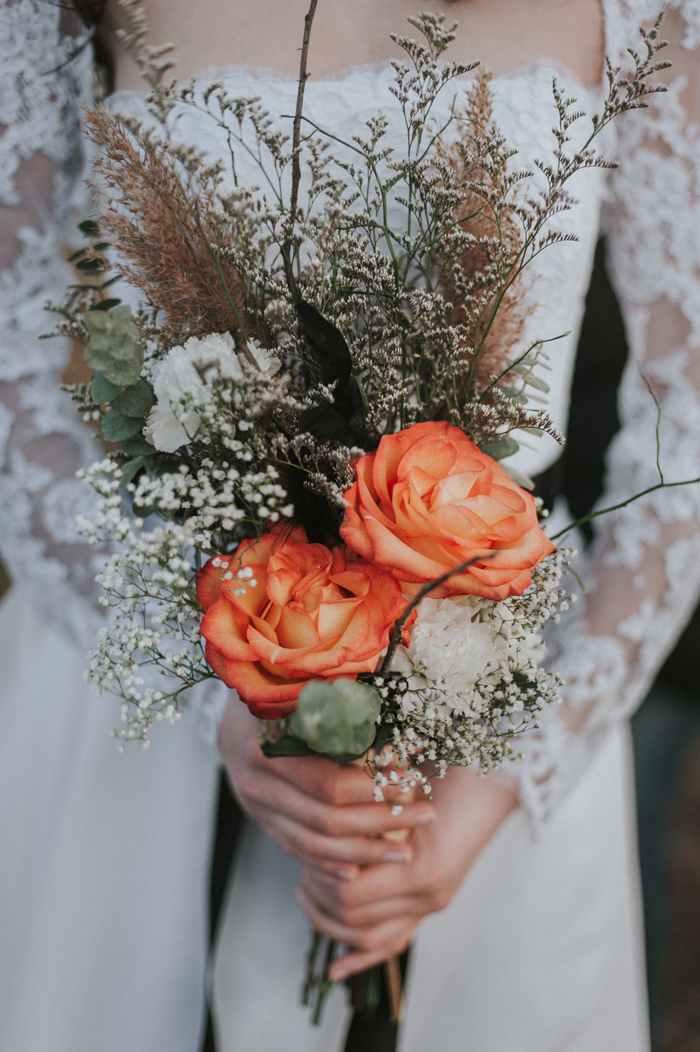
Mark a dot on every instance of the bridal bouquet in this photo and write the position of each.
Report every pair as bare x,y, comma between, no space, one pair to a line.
311,413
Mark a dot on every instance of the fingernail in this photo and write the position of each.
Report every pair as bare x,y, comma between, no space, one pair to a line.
397,856
426,816
345,874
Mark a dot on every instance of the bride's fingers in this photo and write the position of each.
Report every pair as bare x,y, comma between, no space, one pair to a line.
359,960
375,943
369,819
309,845
346,900
326,780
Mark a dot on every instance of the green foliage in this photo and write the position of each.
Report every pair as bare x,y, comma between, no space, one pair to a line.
103,390
500,448
135,400
116,427
337,718
113,347
287,745
137,446
132,467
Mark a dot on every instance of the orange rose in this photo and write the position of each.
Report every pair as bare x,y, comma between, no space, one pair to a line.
305,612
428,499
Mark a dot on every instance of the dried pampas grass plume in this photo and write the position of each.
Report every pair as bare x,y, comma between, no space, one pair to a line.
174,248
476,283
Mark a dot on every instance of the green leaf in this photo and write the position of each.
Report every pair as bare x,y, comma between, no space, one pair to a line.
124,373
77,255
101,390
114,348
106,304
121,373
536,381
337,718
287,746
515,396
132,468
90,228
499,448
330,362
137,446
92,266
116,427
135,400
98,360
521,480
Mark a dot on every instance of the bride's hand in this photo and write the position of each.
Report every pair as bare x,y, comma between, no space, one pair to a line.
377,912
317,810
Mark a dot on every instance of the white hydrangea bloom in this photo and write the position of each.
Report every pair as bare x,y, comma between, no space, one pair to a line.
182,375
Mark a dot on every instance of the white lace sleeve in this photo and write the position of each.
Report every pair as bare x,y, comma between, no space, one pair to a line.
643,575
45,77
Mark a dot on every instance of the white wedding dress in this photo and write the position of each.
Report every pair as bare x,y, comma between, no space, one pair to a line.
104,857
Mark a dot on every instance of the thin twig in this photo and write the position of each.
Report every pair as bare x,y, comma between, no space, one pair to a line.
623,504
658,424
296,139
400,622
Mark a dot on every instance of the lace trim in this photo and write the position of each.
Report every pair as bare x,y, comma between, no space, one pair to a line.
42,442
644,575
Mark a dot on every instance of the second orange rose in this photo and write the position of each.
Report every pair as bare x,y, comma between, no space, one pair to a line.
429,499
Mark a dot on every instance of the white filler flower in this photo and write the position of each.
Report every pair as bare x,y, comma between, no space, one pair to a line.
182,375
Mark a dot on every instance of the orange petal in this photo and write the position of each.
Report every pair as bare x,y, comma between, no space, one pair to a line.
209,580
217,662
221,629
264,694
296,630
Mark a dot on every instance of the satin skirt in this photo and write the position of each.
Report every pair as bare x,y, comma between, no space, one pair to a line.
540,950
104,861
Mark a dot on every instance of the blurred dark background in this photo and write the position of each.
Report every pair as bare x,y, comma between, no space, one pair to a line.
666,729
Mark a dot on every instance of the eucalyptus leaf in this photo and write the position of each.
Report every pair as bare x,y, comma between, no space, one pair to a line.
102,390
135,400
132,467
123,373
137,446
337,718
116,427
499,448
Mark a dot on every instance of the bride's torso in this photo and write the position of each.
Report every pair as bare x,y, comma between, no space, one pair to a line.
342,102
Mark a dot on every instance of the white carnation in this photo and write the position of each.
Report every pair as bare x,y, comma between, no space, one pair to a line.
457,647
183,375
266,363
